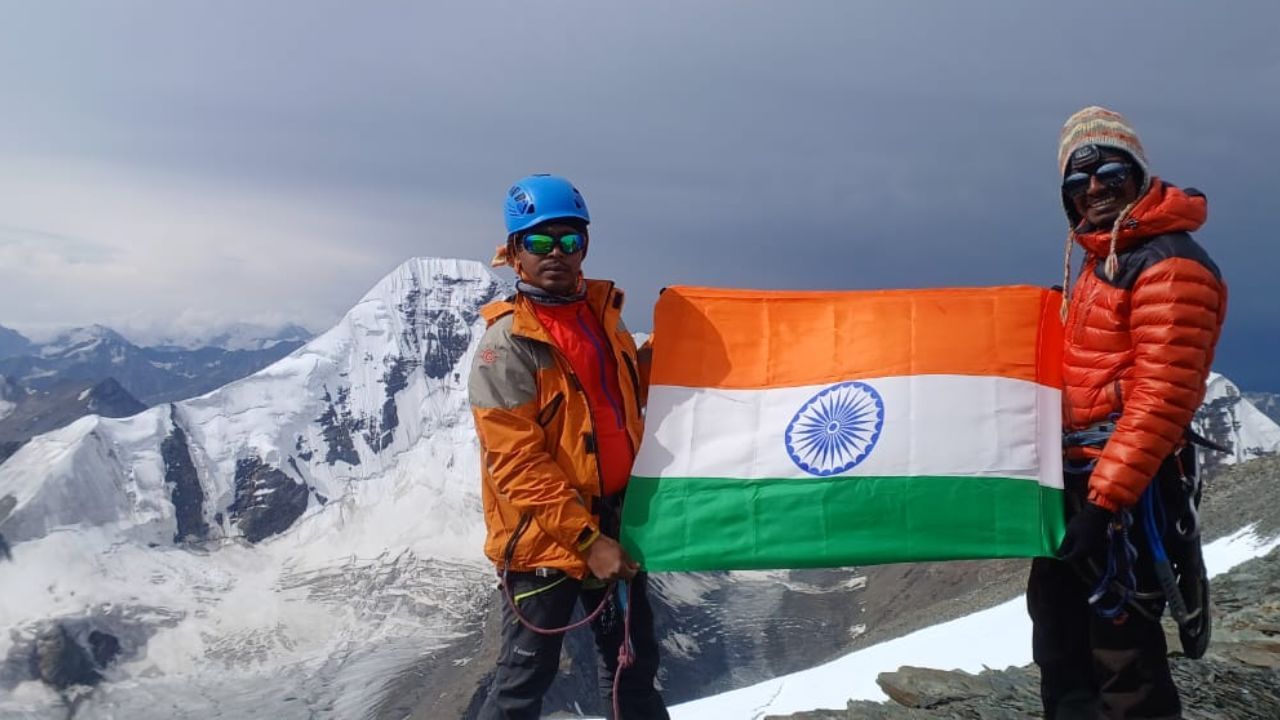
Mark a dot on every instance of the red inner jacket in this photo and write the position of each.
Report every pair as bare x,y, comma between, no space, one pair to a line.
579,336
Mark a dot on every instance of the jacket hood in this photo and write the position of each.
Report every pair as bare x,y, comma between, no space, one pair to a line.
1163,209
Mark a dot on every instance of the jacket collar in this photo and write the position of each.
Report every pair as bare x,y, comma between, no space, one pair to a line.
602,297
1163,209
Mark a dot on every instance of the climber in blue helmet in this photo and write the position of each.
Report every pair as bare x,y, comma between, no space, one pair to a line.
557,390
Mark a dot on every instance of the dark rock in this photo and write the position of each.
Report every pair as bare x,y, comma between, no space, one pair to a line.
104,646
337,426
267,501
9,447
304,452
5,553
61,662
184,484
13,343
446,342
381,435
916,687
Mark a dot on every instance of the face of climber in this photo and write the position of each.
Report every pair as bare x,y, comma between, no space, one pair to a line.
550,256
1101,182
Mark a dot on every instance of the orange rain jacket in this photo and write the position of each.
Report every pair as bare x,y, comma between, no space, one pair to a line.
540,472
1141,344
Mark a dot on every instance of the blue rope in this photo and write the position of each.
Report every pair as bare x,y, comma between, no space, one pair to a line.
1119,578
1155,528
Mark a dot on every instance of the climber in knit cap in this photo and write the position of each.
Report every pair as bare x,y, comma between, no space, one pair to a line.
1141,322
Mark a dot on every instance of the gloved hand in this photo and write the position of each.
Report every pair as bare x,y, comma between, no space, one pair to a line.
1086,534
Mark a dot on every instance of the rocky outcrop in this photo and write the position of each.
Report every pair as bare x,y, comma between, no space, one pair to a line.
1239,678
78,650
337,426
7,503
61,662
267,501
184,484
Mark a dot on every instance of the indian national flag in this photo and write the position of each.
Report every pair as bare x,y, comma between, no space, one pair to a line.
823,429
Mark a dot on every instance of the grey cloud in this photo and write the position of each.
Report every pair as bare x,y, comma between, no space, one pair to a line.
818,144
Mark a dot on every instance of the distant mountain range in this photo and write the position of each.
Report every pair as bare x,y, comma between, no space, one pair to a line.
236,336
153,375
96,370
25,413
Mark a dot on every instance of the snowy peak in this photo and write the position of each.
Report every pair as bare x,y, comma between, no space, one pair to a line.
1229,419
252,457
429,305
83,341
419,321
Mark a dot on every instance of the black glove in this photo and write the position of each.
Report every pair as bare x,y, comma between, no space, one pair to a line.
1086,534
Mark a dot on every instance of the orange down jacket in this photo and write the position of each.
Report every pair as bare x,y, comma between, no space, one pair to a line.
1141,344
540,471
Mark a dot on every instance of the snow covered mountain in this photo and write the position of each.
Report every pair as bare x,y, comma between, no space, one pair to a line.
1231,420
166,530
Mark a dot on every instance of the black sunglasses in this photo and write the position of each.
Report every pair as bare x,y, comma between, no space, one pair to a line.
1112,174
543,243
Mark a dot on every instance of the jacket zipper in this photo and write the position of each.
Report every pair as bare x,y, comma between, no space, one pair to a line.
577,384
548,413
635,379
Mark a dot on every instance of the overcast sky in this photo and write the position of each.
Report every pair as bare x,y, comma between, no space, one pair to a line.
171,166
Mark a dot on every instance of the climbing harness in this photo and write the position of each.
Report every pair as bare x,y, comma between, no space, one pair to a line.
626,652
1115,591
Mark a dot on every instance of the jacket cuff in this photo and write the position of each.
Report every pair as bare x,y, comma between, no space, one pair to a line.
585,538
1097,498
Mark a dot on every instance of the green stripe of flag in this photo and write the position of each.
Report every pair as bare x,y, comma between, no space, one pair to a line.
734,524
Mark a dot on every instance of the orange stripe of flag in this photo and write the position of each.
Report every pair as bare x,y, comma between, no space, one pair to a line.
725,338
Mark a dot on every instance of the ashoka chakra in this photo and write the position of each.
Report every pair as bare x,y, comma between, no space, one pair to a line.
836,429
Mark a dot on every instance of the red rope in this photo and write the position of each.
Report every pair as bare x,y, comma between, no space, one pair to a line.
509,594
626,654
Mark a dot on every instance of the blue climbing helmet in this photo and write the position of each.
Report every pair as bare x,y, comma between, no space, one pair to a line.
539,198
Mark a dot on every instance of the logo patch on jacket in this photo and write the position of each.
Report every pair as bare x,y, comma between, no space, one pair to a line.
488,356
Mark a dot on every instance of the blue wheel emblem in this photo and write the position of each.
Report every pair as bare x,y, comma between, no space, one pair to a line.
835,429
